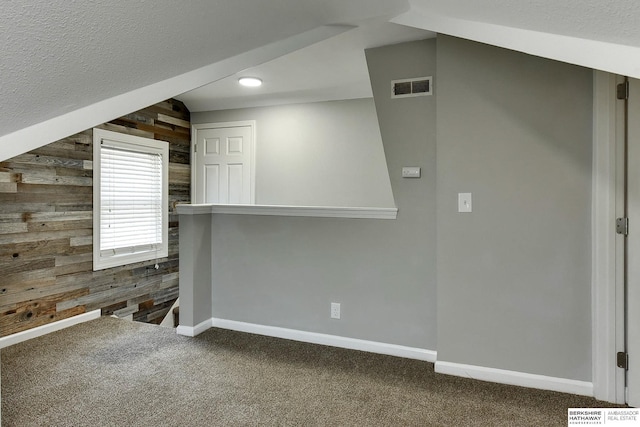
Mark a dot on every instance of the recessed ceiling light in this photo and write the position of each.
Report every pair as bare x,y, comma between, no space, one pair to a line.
250,81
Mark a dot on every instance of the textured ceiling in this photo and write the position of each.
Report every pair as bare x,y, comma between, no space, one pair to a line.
335,68
602,35
613,21
82,56
330,70
60,55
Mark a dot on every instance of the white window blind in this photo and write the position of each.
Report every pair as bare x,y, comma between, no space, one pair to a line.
131,199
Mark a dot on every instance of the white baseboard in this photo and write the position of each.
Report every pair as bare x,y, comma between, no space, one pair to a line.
522,379
192,331
330,340
48,328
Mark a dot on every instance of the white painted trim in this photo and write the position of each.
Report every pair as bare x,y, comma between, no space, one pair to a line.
167,322
142,145
606,284
611,57
521,379
48,328
254,138
192,331
87,117
329,340
281,210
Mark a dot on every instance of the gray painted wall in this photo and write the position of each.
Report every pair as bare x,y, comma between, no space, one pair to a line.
195,258
318,154
514,275
283,271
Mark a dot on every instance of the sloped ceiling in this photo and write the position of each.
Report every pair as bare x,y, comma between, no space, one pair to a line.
613,21
331,70
602,35
71,64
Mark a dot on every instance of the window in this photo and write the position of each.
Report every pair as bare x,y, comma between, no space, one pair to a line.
130,199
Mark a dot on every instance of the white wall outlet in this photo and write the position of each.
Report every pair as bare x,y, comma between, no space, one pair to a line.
335,310
464,202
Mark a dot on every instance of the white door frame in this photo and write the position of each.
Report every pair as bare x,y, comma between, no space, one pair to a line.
194,136
607,278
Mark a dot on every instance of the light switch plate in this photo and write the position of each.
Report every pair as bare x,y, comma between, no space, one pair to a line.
411,172
464,202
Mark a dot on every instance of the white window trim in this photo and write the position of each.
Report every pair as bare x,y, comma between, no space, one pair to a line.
101,262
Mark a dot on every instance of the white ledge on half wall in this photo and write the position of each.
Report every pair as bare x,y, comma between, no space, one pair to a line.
283,210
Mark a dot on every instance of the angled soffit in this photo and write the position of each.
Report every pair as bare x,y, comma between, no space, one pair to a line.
334,69
591,33
68,65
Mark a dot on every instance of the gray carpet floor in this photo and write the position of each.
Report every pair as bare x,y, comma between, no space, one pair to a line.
111,372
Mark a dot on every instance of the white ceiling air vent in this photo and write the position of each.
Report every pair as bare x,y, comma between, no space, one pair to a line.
405,88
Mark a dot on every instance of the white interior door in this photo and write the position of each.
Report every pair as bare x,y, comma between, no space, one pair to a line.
223,164
633,255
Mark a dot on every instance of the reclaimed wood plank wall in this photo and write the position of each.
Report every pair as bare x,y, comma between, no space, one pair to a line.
46,229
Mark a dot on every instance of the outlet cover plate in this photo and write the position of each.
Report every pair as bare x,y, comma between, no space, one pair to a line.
335,310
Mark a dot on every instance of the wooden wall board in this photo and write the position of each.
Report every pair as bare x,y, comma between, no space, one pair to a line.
8,187
164,295
33,248
42,235
38,312
125,311
26,279
63,149
124,129
171,108
27,291
155,129
111,309
174,121
46,229
153,315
